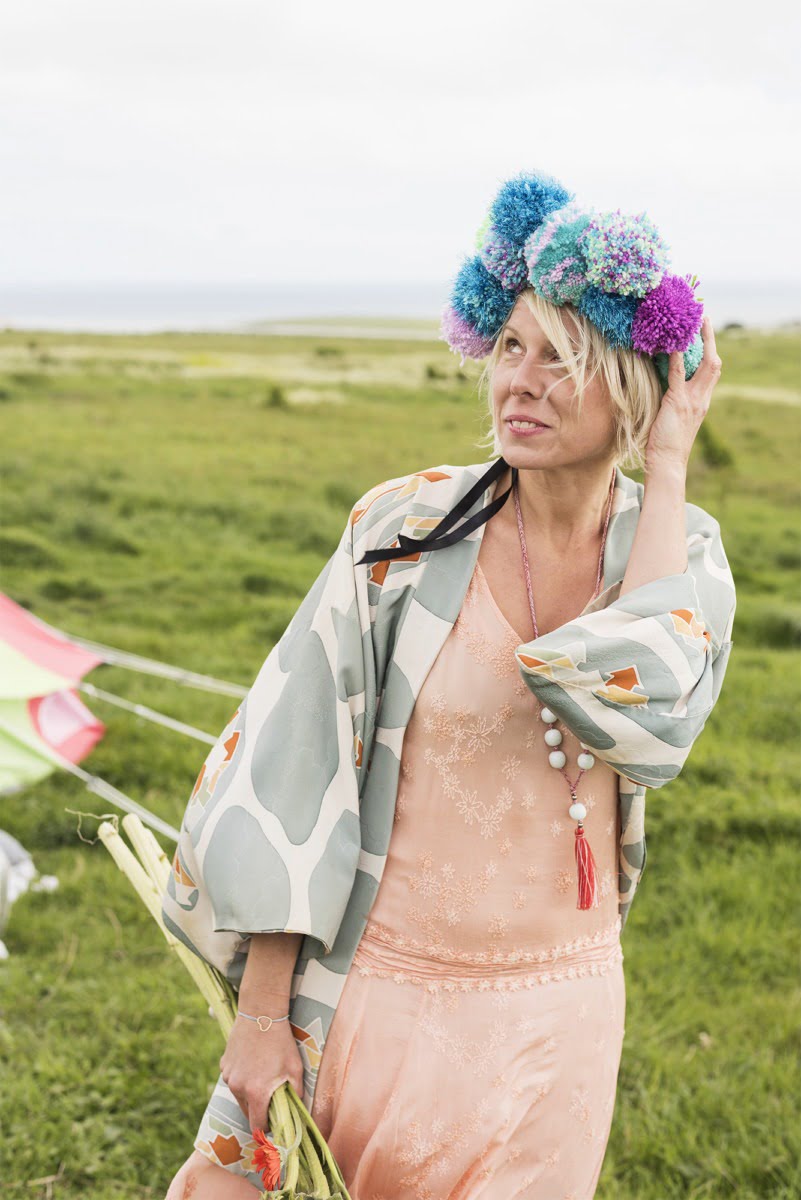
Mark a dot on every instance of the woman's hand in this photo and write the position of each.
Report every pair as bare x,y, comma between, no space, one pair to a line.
684,406
255,1064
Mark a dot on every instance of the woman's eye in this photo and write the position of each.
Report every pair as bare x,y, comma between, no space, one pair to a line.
512,343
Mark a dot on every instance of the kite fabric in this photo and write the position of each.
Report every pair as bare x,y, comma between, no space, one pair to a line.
289,822
42,719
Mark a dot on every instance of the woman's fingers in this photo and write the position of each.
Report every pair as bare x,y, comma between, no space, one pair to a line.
676,370
710,367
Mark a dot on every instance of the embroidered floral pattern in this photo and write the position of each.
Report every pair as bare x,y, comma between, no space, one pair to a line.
481,847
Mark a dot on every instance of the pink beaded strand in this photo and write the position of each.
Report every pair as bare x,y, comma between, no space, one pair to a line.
585,862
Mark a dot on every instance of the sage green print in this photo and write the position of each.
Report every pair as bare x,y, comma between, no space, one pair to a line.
288,825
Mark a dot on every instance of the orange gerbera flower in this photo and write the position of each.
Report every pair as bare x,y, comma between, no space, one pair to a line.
267,1160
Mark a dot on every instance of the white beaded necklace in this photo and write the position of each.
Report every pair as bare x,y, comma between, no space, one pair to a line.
585,862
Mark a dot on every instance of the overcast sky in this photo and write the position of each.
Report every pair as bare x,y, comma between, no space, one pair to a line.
247,140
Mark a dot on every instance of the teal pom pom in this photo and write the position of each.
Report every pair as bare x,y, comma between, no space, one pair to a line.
556,266
480,299
524,202
613,315
692,361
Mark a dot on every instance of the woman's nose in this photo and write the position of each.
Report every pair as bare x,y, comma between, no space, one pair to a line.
528,379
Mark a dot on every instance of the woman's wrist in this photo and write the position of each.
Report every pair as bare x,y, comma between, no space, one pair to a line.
272,1001
668,470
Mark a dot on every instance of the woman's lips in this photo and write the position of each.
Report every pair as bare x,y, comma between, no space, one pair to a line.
529,432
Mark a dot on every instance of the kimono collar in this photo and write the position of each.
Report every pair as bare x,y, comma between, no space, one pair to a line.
626,498
439,538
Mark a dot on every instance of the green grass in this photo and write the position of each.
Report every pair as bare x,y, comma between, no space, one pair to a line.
175,496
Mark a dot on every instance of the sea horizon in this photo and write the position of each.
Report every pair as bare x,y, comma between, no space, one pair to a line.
209,307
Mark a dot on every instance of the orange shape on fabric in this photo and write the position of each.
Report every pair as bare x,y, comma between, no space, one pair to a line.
181,875
227,1149
231,745
310,1044
686,623
378,570
620,686
198,782
564,662
409,487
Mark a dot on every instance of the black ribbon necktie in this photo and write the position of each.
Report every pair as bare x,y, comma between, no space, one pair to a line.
438,538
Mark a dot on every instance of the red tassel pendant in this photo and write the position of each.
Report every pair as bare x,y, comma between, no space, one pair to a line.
587,873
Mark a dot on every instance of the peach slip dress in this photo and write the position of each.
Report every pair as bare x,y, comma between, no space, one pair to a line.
475,1049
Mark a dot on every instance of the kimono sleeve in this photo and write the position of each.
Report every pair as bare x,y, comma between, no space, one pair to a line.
270,837
636,680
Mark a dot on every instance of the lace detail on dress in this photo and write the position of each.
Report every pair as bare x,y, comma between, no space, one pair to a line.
491,983
407,960
497,654
435,948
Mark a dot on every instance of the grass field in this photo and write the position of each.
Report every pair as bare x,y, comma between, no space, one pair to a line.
175,496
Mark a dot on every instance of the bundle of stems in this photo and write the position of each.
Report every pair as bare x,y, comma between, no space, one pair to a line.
308,1166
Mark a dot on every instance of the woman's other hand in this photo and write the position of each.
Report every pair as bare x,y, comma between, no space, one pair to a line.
255,1063
684,406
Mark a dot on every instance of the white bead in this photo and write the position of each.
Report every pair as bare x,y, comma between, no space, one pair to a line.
557,758
548,716
577,812
585,761
553,737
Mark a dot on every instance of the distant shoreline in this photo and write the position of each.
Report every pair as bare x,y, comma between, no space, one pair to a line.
403,310
355,329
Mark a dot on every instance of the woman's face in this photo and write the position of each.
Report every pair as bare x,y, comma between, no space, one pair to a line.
528,365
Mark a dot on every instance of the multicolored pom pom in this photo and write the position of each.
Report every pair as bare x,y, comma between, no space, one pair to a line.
556,266
614,315
504,260
668,318
625,254
524,202
612,267
480,299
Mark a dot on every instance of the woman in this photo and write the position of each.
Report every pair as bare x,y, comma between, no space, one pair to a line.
440,782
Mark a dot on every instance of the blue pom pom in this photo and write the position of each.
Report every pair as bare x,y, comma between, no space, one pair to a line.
692,361
480,299
614,315
524,202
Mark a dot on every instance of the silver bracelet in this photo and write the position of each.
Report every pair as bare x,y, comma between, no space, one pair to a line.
270,1020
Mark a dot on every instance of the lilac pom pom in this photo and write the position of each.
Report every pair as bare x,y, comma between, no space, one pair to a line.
625,254
668,319
504,260
462,337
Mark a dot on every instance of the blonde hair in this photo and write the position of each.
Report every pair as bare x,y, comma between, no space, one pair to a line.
631,382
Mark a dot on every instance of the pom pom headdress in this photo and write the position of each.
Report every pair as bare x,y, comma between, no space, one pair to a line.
611,266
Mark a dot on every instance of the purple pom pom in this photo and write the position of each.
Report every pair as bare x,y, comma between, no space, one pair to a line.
462,337
668,318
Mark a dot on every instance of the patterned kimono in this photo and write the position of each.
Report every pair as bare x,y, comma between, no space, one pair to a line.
289,822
